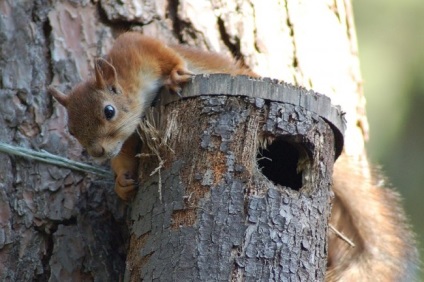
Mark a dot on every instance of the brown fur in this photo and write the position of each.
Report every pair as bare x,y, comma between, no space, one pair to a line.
137,66
371,216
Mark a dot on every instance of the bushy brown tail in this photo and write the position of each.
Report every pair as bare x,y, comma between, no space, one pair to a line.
373,219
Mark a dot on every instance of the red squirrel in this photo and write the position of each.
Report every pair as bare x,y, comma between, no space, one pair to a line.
104,113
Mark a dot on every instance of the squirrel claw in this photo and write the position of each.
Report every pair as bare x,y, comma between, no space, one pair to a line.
180,75
177,77
177,91
125,187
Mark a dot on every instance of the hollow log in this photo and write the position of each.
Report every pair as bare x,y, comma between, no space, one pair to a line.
235,184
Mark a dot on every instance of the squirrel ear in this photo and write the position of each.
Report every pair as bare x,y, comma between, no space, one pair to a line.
105,73
59,96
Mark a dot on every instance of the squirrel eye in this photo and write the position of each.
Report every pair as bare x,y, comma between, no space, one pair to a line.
109,112
113,89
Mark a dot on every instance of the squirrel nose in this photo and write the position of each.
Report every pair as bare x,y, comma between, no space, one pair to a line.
97,152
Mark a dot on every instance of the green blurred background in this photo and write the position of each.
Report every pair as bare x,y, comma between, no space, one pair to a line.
391,51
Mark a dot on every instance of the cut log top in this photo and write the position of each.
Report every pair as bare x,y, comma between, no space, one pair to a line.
266,89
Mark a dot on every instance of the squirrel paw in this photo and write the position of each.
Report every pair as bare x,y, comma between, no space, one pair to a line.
125,186
178,76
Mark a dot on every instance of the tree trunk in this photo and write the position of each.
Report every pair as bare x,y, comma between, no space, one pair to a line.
58,224
245,185
55,224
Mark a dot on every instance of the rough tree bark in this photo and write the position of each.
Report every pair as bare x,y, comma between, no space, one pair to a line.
217,202
57,224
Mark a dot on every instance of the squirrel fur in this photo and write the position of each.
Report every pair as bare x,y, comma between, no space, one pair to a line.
105,110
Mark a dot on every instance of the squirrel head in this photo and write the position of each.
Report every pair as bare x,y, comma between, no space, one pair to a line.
100,116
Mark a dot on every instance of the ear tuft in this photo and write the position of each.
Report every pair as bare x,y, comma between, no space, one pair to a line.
59,96
105,73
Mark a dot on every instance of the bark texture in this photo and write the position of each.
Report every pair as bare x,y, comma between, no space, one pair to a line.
245,187
55,223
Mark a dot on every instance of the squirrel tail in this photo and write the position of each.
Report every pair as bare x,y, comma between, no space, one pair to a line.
373,219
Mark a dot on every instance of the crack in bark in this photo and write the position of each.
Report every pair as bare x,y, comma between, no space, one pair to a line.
172,13
295,62
335,9
40,15
47,31
47,231
45,259
362,121
233,44
118,25
255,30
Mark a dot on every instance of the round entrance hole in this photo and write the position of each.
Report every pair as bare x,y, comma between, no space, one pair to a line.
279,162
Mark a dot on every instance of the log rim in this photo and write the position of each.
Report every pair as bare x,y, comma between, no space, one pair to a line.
277,91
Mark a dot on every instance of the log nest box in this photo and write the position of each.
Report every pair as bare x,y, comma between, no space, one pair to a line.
235,183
